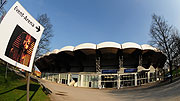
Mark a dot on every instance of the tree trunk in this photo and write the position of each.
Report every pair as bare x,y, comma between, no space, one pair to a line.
170,67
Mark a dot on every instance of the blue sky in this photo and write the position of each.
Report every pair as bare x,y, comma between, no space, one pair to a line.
80,21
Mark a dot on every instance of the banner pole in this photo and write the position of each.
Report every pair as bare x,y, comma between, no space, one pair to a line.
28,82
6,71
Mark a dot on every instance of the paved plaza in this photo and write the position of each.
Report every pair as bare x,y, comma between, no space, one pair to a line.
60,92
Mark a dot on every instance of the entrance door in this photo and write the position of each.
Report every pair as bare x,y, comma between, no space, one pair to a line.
127,80
109,81
110,84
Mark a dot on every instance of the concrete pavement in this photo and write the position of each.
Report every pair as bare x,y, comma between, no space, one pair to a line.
61,92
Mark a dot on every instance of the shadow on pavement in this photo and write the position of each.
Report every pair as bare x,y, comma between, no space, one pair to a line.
162,91
46,90
61,93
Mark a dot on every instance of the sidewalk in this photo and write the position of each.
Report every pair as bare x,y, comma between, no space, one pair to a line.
61,92
149,92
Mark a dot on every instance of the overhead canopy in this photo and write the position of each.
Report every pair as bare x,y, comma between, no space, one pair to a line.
67,49
86,48
108,45
83,57
147,47
47,54
55,51
130,45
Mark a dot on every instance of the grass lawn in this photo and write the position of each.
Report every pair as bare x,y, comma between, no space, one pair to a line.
14,88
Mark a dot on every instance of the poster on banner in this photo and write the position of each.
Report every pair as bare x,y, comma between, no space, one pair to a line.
20,36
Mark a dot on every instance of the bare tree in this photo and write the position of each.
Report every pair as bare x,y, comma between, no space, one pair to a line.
176,48
44,42
2,10
163,37
2,13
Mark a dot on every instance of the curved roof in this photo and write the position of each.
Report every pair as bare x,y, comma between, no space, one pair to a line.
147,47
85,46
67,48
130,45
55,51
47,54
108,45
85,58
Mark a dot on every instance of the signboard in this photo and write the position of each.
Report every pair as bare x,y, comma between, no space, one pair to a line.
75,75
20,35
130,70
109,71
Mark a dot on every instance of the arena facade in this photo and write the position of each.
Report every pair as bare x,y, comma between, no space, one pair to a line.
105,65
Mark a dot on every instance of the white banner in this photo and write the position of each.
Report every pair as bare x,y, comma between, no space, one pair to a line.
20,35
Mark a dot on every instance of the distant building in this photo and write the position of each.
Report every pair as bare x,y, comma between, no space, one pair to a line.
105,65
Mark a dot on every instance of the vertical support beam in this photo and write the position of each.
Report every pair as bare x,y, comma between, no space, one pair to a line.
148,77
42,74
28,82
118,82
135,79
81,80
156,74
52,77
68,79
59,80
48,76
99,81
6,71
98,64
140,60
45,75
122,61
119,62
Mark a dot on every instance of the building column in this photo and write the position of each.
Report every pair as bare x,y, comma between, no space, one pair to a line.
135,79
149,77
53,78
48,76
118,82
156,73
140,60
120,62
99,81
68,79
98,64
59,80
42,75
45,75
81,80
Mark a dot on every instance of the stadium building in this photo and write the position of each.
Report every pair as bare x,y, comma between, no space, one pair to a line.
105,65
